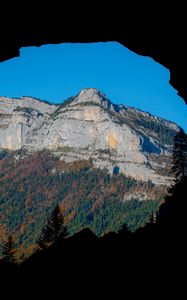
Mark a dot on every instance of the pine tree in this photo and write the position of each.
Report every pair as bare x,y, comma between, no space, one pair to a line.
179,167
54,229
9,251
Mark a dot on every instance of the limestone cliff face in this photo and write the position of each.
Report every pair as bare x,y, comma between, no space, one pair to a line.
90,126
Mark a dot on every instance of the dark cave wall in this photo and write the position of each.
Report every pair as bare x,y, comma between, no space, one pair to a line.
161,37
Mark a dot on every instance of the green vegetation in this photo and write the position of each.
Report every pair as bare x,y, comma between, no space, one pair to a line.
165,134
28,110
66,149
31,187
61,106
112,214
68,101
3,154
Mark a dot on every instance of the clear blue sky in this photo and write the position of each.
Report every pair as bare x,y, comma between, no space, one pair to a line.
56,72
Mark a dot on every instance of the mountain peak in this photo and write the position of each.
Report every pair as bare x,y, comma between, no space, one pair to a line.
90,95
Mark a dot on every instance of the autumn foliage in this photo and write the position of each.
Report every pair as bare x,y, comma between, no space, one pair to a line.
31,186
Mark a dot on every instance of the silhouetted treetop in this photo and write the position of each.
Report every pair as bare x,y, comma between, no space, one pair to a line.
9,251
179,167
54,229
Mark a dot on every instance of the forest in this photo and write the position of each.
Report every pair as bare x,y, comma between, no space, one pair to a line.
31,185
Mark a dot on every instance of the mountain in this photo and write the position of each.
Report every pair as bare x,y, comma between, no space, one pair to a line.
104,164
90,127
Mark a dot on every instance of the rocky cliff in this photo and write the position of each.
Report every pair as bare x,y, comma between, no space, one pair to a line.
89,126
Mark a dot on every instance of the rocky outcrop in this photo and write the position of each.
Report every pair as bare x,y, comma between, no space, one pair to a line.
90,127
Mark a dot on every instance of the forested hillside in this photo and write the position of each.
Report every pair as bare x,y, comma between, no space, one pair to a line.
31,186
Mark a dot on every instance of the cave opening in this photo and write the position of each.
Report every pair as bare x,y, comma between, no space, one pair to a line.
106,81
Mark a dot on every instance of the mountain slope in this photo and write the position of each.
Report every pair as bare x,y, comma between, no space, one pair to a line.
89,126
104,164
31,187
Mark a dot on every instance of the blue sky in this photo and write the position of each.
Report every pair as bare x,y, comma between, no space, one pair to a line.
56,72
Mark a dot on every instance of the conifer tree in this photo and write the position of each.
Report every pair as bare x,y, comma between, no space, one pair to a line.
9,251
179,167
54,229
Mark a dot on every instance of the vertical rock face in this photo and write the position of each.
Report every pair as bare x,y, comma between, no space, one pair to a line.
90,126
